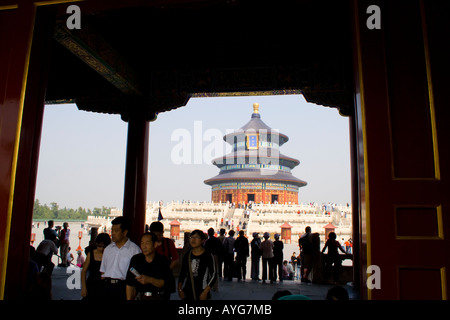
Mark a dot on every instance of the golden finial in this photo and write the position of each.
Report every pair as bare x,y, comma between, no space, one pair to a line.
256,107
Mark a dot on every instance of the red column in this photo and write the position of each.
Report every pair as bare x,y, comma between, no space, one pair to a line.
135,191
28,154
22,92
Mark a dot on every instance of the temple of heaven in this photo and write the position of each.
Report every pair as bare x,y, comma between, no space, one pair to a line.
255,170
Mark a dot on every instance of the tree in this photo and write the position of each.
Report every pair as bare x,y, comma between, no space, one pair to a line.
54,208
55,213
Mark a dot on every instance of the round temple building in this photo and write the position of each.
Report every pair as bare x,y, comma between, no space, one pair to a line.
255,170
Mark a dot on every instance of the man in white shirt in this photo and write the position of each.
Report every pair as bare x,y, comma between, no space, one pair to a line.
116,259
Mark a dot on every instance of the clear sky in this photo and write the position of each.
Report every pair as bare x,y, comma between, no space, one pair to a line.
82,155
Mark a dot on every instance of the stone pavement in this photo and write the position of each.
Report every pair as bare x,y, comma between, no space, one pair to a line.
64,287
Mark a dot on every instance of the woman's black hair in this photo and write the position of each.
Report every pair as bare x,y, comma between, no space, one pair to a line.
103,238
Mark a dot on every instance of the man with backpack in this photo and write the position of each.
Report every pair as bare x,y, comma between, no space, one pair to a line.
306,254
242,252
165,247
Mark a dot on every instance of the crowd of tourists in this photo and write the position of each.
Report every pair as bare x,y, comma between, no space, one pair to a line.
116,268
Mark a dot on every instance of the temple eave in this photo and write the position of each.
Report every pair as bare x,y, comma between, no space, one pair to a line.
230,137
217,180
265,155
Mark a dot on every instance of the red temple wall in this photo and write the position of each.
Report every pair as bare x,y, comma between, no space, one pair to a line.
240,195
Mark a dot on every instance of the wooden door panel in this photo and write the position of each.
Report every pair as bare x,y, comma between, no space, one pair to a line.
402,123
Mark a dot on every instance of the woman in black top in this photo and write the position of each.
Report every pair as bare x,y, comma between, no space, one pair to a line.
198,270
91,285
